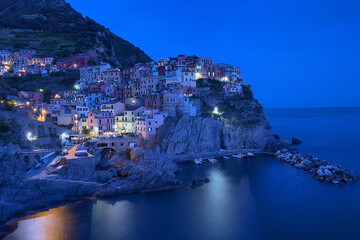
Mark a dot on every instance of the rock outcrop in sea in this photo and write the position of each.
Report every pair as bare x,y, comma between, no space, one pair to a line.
228,122
322,170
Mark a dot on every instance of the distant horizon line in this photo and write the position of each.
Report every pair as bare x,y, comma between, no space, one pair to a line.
309,107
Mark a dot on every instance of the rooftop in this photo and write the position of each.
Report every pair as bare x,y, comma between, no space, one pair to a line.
132,108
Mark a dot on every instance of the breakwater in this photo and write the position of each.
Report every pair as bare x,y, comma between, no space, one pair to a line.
320,169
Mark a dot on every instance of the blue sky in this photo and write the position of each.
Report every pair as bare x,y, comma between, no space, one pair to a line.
303,53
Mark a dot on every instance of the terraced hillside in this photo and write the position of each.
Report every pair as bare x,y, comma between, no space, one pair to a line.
54,28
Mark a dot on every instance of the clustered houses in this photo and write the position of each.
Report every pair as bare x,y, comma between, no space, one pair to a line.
135,100
23,62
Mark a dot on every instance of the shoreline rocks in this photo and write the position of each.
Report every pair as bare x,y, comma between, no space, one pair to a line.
149,171
320,169
199,182
296,141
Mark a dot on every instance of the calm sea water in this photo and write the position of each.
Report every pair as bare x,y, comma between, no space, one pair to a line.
259,198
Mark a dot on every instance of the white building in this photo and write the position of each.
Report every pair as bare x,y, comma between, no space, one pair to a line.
185,74
126,122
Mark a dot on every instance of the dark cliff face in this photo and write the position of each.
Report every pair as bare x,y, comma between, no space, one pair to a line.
54,28
241,123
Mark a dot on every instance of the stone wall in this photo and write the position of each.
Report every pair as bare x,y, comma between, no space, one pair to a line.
42,134
81,168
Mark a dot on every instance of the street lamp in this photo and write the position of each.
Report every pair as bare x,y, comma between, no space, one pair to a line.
216,111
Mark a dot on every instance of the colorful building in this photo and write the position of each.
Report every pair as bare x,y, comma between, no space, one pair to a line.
100,122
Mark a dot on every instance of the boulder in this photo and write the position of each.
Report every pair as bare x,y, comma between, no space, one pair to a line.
296,141
199,182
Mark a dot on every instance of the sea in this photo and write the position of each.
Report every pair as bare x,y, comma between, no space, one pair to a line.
254,198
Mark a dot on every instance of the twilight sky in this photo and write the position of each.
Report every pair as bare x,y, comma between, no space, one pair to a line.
303,53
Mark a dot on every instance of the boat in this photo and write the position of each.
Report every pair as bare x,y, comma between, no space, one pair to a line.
250,154
212,160
198,161
82,153
238,156
83,148
226,157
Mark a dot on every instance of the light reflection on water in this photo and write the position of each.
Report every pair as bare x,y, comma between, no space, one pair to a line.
46,225
258,198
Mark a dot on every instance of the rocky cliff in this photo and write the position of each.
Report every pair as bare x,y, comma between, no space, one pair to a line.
228,122
147,171
54,28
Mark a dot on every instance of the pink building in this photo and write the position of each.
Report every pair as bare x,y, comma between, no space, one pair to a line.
76,61
100,122
147,125
215,72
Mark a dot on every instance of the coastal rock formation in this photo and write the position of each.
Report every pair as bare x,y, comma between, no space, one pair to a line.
199,182
19,194
191,135
320,169
239,122
276,143
296,141
148,171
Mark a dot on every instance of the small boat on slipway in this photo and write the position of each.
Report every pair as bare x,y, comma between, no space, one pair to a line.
226,157
238,156
212,160
198,161
250,154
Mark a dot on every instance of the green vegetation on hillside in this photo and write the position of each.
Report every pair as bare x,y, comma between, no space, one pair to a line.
45,45
54,29
34,82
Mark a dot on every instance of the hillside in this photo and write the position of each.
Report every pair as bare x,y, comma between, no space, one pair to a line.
54,28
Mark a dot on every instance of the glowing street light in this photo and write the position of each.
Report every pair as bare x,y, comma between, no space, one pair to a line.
216,111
